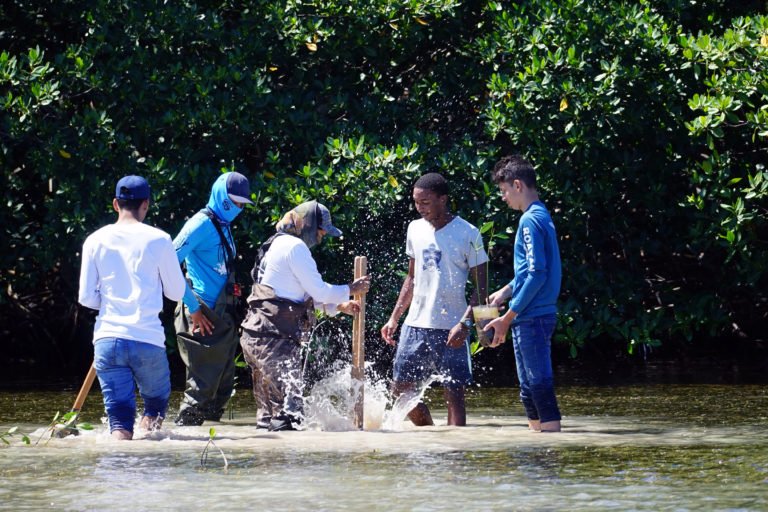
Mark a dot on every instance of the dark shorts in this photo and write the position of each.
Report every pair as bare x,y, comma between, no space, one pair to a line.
422,353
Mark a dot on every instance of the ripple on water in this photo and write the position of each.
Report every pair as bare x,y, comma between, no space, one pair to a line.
639,455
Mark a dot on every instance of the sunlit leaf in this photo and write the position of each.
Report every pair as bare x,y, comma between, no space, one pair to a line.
269,175
420,21
393,181
764,40
64,154
563,104
311,47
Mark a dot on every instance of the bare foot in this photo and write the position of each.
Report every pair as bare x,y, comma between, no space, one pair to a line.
551,426
122,435
534,425
151,423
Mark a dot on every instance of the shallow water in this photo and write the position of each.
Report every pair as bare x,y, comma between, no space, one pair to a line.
628,448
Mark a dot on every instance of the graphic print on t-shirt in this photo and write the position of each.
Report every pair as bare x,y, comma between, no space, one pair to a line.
432,256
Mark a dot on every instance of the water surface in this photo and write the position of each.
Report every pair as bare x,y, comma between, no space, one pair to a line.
665,447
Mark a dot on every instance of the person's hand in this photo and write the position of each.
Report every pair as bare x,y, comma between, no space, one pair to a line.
388,332
457,335
500,328
351,307
498,297
360,286
201,323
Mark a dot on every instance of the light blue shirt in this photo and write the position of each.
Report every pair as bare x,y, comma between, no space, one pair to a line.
199,246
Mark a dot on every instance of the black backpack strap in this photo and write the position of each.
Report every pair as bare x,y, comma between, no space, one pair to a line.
230,261
257,270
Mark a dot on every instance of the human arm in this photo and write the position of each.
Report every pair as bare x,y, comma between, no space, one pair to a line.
171,277
500,296
185,243
500,327
534,273
304,269
403,301
350,307
458,333
88,292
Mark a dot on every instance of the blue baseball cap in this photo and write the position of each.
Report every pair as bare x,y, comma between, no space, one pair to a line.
132,187
238,188
325,221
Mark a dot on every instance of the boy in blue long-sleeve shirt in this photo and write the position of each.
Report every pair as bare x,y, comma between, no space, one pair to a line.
533,293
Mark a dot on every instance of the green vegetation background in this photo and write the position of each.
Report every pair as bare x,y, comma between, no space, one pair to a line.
647,121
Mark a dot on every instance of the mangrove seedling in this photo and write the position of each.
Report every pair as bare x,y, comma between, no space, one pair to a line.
487,227
63,426
204,455
12,432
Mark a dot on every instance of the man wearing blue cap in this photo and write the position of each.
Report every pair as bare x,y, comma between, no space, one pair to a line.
206,323
126,269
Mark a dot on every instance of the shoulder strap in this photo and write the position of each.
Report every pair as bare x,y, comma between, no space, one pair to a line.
230,261
257,271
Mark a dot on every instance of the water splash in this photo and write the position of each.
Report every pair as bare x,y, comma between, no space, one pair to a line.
393,419
330,403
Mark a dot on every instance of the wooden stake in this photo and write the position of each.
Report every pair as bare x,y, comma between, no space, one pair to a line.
358,345
79,401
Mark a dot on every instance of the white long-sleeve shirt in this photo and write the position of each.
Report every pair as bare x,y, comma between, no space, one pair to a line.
292,273
126,269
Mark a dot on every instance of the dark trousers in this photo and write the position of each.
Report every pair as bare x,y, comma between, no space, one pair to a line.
210,362
276,370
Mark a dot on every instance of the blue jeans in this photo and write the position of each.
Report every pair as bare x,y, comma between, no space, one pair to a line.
119,362
532,342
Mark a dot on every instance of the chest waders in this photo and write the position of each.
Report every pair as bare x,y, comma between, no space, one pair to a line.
273,332
210,360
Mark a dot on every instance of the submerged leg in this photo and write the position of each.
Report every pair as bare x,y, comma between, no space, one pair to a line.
419,415
550,426
122,435
457,412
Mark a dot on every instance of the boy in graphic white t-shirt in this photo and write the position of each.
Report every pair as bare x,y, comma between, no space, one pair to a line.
443,249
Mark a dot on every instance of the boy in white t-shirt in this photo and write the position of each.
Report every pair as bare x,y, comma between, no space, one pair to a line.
443,249
127,267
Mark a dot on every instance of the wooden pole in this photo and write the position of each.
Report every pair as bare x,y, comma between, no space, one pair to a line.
84,389
79,401
358,345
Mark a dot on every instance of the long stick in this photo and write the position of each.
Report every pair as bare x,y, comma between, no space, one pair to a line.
358,345
84,389
79,401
